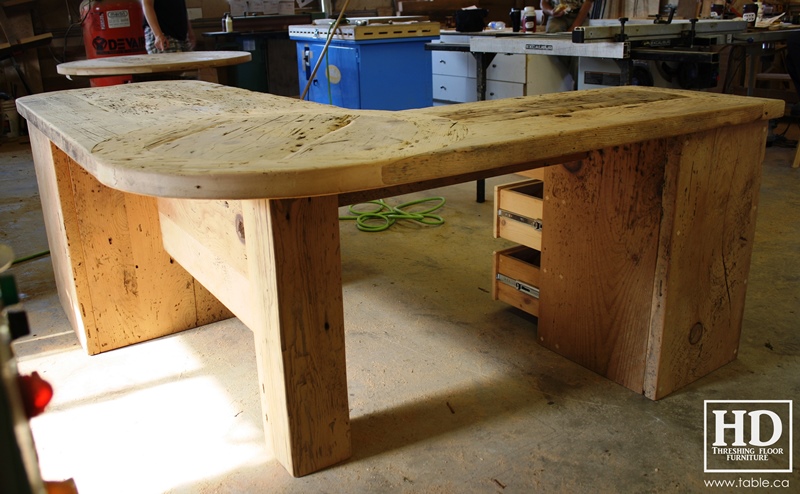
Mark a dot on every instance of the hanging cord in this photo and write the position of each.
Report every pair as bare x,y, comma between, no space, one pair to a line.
69,28
380,219
324,53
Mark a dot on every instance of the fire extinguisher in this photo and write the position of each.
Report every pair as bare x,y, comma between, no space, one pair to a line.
112,28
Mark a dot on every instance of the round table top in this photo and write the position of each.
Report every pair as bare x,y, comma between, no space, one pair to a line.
153,63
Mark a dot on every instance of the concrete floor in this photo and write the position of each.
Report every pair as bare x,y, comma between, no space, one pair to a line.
449,391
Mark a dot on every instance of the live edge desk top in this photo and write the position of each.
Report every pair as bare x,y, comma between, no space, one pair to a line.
650,220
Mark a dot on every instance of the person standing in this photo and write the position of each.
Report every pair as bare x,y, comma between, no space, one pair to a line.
166,26
793,66
565,15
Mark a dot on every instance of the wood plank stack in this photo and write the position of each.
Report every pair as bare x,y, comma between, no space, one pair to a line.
18,47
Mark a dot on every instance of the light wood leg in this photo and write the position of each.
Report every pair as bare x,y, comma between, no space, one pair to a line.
706,242
645,255
599,246
295,275
796,161
115,281
218,75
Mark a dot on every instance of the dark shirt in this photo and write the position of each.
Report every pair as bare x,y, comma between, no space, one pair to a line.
171,16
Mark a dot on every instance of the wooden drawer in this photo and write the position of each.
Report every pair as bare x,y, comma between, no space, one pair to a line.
518,215
517,277
453,63
455,89
537,173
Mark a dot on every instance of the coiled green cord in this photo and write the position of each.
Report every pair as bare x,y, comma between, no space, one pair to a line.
385,216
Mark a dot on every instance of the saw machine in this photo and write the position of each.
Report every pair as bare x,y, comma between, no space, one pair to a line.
663,53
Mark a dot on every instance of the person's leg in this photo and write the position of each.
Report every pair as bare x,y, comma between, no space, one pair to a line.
186,45
149,40
173,45
793,65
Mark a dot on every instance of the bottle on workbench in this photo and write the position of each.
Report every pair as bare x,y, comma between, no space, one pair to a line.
528,21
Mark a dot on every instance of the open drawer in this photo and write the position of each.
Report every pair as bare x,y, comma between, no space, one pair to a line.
519,212
517,277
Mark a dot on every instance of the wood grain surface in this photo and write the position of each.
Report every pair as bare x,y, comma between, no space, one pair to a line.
116,283
152,63
200,140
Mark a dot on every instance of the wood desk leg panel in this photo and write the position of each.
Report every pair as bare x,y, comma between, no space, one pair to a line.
207,239
706,244
117,283
63,236
599,248
646,256
295,275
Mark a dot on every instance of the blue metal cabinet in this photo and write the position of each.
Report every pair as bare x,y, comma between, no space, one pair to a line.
386,74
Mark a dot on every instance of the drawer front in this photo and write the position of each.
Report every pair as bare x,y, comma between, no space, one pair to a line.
455,89
518,215
516,278
453,63
537,173
500,90
506,67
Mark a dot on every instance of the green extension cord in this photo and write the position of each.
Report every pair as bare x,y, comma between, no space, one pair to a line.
31,257
384,216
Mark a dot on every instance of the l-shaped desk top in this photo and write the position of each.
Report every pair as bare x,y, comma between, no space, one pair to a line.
645,255
199,140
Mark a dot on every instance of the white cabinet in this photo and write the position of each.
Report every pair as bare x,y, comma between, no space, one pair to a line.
507,68
457,63
502,89
455,77
454,89
507,76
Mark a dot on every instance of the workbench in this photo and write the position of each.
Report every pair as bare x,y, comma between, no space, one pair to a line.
168,204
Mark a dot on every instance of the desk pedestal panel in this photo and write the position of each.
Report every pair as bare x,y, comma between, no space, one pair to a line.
645,263
115,281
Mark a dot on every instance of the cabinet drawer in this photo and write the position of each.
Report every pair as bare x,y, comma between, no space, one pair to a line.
453,63
506,67
500,90
519,212
455,89
516,278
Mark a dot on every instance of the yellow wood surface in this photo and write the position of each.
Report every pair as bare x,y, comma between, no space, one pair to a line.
599,249
524,199
200,140
705,244
207,238
152,63
298,325
61,225
513,262
650,222
116,283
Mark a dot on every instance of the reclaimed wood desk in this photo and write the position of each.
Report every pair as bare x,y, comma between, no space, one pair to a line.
210,65
650,220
